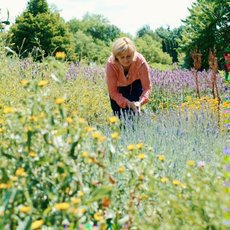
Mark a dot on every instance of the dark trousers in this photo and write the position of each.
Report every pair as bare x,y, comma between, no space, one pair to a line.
132,92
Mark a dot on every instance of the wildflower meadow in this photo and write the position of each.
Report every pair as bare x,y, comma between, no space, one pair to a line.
68,163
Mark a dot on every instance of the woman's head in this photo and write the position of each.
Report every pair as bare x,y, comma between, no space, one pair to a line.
123,50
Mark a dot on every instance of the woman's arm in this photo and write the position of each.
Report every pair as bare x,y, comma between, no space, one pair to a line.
111,81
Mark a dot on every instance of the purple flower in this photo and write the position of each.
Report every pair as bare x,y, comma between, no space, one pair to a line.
226,150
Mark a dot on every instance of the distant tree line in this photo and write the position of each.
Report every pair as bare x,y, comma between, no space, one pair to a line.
40,32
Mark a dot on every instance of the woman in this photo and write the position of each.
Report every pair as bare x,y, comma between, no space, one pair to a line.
127,78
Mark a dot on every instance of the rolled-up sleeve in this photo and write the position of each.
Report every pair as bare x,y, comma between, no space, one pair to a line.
111,81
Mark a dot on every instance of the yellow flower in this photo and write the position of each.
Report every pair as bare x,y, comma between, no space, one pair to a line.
67,190
69,140
25,209
140,145
161,158
143,197
115,135
36,224
20,172
14,178
189,99
121,169
62,206
102,138
42,83
59,101
81,211
76,200
98,216
81,120
93,160
84,154
60,164
1,130
191,163
176,182
140,186
164,179
141,177
60,55
69,120
131,147
33,118
88,129
32,154
4,186
182,185
80,193
24,83
96,135
113,119
8,110
27,129
42,115
141,156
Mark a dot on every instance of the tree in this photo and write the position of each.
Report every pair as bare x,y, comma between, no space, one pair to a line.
152,50
40,32
146,30
36,7
170,41
206,28
92,37
98,27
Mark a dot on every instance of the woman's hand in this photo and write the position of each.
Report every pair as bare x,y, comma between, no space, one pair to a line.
138,106
135,106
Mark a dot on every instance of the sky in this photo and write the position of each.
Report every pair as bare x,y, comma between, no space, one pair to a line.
128,15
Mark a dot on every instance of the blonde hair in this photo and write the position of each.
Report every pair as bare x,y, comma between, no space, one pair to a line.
121,45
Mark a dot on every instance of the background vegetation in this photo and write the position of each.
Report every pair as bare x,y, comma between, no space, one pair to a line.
89,40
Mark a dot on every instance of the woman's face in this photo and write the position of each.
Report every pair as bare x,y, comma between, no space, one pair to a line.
126,58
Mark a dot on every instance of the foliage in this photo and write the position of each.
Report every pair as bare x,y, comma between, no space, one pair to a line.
92,37
36,7
146,30
206,28
39,32
151,50
170,41
99,28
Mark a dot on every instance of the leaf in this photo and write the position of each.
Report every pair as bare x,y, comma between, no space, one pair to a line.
9,198
99,193
123,220
24,225
72,149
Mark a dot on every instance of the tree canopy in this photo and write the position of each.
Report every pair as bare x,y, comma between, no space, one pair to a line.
40,32
206,28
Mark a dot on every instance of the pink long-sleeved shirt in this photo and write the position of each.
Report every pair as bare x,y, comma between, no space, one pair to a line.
115,77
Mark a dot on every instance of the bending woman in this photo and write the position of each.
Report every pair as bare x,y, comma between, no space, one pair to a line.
127,78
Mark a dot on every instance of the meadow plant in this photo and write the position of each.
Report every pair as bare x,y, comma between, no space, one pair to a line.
192,131
59,172
171,87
